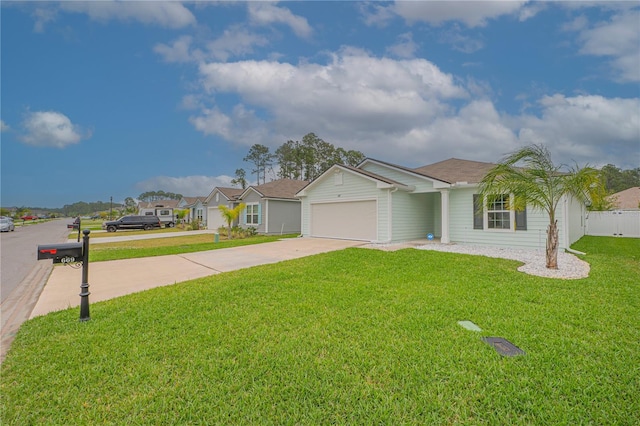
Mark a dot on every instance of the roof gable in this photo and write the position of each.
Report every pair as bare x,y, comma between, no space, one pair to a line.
281,188
437,183
355,170
230,194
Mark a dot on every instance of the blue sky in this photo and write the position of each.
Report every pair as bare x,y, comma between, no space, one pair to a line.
115,98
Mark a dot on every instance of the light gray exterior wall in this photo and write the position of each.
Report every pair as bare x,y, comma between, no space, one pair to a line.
283,217
250,198
412,216
353,188
462,232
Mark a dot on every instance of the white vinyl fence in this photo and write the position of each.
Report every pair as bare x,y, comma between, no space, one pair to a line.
614,223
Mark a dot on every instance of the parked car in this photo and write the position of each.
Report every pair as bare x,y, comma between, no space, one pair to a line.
6,224
133,222
29,217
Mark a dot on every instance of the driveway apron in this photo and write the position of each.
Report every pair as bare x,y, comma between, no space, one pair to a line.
111,279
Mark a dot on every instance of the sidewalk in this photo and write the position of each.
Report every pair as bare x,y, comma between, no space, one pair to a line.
108,280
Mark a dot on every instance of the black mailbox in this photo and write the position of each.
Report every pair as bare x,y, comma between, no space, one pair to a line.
61,253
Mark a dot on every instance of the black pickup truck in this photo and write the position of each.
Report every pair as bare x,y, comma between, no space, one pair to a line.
133,222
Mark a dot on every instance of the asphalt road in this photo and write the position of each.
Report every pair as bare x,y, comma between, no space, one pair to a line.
18,251
22,276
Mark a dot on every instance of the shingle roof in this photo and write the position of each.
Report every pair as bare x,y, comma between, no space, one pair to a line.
455,170
281,188
230,193
629,199
193,200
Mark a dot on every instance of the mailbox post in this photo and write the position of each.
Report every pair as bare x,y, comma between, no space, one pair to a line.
84,287
68,253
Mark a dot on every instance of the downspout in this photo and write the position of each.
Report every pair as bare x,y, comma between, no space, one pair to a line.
266,216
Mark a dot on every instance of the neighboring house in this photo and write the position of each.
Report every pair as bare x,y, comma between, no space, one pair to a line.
220,196
382,202
197,208
272,208
629,199
152,205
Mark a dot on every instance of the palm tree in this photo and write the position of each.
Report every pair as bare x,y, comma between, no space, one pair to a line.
230,215
541,185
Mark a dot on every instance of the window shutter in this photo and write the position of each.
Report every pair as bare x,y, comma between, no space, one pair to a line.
478,214
521,220
260,214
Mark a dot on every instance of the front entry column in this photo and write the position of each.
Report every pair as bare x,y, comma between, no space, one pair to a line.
444,205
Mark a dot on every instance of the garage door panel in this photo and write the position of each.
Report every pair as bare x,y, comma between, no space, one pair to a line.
215,219
353,220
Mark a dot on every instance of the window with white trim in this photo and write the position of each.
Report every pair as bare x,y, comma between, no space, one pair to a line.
498,213
252,214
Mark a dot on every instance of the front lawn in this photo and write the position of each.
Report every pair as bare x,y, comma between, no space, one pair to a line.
351,337
171,245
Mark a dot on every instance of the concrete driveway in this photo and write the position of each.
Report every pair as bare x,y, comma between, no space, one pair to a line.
108,280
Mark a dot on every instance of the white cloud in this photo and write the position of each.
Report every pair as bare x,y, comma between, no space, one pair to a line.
404,111
51,129
235,41
586,129
353,92
43,15
189,186
471,13
618,38
161,13
405,47
178,51
459,41
4,126
264,13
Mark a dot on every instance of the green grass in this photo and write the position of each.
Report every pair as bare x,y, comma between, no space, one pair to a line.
170,245
351,337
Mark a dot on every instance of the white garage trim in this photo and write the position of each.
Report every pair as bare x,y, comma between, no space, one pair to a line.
349,219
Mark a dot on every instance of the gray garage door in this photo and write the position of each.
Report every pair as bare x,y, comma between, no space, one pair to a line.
352,220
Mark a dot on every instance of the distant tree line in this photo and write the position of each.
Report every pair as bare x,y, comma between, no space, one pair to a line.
151,196
303,160
616,180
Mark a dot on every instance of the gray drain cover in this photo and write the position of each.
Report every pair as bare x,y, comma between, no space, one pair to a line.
503,346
